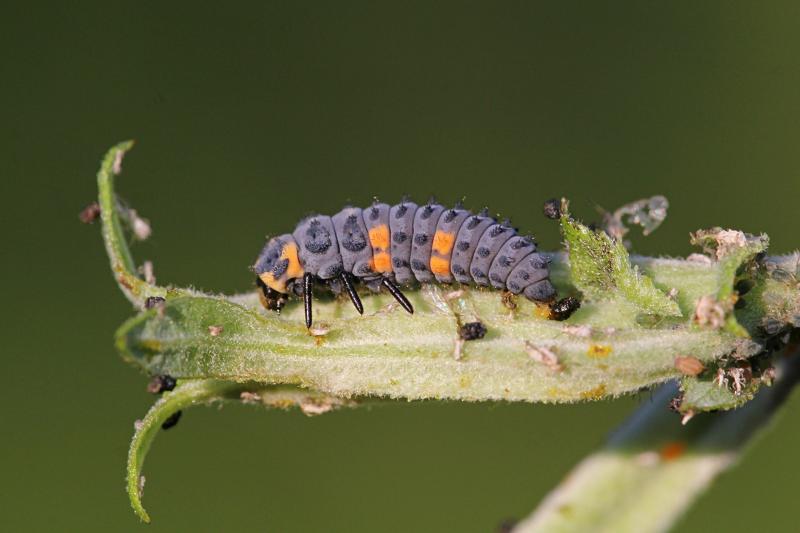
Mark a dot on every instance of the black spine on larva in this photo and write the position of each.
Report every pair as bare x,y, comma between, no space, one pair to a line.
449,223
425,220
318,248
401,231
510,254
352,236
466,242
489,245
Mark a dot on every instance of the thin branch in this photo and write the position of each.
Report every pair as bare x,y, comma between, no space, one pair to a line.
653,468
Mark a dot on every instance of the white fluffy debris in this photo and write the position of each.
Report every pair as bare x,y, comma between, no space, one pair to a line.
544,355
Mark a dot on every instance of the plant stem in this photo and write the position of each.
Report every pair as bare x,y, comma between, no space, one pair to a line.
653,468
637,316
203,392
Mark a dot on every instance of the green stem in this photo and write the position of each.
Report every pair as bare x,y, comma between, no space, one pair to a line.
185,394
637,315
123,266
189,393
653,468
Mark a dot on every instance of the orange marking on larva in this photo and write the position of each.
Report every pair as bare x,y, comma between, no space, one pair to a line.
672,450
295,269
379,237
381,262
273,283
443,242
440,265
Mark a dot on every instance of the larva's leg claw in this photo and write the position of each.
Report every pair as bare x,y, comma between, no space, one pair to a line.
398,295
308,296
347,281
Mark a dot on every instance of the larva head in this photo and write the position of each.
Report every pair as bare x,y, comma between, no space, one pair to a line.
277,267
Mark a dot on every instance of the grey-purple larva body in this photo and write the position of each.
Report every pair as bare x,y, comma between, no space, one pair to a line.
386,246
401,228
425,220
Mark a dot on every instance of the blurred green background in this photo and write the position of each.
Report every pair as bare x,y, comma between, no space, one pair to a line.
249,116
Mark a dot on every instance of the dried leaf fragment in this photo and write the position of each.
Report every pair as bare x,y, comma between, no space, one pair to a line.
688,365
544,356
709,312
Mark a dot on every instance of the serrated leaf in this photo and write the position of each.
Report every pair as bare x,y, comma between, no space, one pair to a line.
601,268
706,394
353,357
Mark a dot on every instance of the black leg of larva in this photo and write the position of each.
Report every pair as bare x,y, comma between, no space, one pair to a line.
308,295
347,281
399,296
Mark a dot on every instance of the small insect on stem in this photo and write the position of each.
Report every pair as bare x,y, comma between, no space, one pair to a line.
552,209
472,331
172,420
563,309
90,213
153,301
161,384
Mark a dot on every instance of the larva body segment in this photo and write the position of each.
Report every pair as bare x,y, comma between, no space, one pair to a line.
318,247
376,219
489,245
354,247
466,243
533,268
401,227
384,245
510,254
444,240
425,220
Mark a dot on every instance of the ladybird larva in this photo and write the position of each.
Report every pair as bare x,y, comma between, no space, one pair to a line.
386,247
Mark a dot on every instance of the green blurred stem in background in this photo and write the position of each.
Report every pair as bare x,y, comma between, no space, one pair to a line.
643,322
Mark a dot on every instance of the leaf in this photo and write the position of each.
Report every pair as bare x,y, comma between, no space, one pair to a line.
123,266
353,358
653,468
228,348
188,393
708,394
601,269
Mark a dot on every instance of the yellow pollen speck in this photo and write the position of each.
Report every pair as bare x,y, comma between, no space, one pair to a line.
595,393
598,351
